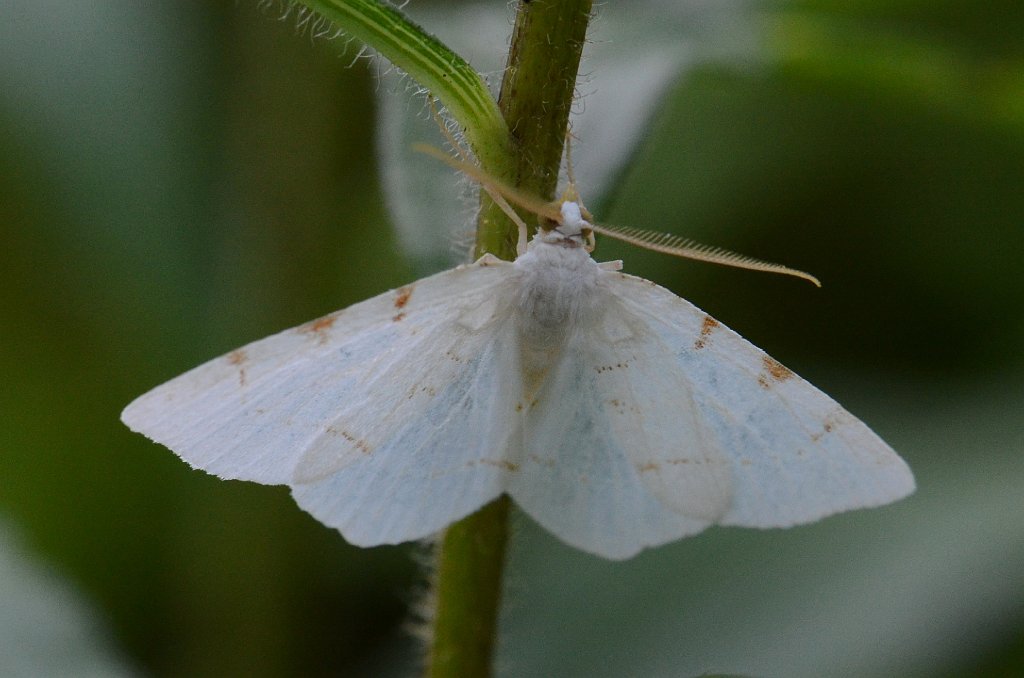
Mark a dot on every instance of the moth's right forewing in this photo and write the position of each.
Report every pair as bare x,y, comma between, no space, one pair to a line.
253,413
797,456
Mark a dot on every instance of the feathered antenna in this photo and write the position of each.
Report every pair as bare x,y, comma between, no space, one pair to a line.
666,243
671,244
684,247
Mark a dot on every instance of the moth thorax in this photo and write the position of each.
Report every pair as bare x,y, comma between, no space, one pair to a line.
557,290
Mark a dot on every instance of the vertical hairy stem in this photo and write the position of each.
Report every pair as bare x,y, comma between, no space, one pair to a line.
518,139
467,591
536,95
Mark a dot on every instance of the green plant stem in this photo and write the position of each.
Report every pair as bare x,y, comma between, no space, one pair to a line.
536,95
520,140
433,66
467,591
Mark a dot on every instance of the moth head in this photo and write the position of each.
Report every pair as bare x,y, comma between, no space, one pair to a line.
571,229
568,223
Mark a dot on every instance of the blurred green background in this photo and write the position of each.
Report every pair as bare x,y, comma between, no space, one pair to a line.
177,179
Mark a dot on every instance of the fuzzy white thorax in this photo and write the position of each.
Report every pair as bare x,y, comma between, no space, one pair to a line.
558,285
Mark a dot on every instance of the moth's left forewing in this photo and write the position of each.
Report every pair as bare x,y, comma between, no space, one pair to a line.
796,454
433,438
422,437
254,412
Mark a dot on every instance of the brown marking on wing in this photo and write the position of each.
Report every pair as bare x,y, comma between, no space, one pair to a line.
655,466
359,443
706,328
398,317
774,372
319,328
550,463
402,295
623,406
238,358
777,370
502,464
827,427
416,389
321,324
608,368
521,406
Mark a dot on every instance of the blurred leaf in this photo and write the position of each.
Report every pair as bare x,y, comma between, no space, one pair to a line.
177,203
46,628
882,57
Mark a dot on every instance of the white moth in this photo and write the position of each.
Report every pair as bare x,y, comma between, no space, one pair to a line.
616,414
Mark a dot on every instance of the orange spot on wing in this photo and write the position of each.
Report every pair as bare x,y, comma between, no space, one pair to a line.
319,327
402,295
773,371
322,324
706,328
238,359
